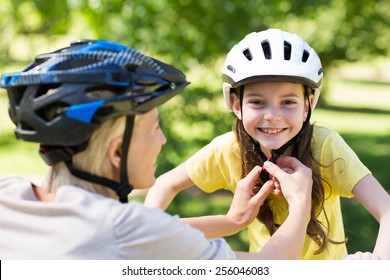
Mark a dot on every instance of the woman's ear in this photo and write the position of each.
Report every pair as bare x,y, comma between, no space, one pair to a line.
114,152
236,107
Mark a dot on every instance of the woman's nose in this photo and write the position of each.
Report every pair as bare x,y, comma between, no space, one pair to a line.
163,138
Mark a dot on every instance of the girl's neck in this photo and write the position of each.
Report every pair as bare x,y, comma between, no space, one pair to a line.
267,152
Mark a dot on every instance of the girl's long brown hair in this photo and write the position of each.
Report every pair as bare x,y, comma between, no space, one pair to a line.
302,151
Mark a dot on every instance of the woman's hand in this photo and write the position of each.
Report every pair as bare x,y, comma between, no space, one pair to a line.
248,199
295,184
290,178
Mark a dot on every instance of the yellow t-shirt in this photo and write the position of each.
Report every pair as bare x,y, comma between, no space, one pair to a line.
218,166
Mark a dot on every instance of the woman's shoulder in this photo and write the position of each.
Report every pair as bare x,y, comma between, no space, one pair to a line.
13,181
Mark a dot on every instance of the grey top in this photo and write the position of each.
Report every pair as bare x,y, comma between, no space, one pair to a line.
83,225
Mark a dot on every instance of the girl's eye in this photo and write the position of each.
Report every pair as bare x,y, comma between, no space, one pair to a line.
256,102
289,102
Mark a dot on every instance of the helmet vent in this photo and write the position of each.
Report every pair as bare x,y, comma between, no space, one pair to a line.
71,64
45,90
50,112
266,49
287,50
16,94
231,68
305,56
248,54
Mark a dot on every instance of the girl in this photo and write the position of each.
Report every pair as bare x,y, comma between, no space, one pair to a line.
272,82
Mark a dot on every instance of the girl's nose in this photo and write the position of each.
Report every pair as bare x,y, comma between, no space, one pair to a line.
272,114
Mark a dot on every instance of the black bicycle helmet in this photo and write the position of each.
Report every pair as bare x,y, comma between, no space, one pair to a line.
49,101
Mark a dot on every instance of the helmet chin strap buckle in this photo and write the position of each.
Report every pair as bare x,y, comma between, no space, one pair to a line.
123,192
275,154
264,175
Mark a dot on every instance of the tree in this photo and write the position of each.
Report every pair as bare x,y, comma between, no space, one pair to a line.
189,32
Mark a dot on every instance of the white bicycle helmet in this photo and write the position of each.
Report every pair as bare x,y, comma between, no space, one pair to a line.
271,55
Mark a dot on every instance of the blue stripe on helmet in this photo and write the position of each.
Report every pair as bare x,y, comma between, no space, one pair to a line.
84,112
9,79
105,45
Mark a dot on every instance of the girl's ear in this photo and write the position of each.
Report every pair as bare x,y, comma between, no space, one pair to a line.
236,107
114,152
311,100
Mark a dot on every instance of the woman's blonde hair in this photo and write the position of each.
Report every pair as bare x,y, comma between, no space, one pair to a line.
93,159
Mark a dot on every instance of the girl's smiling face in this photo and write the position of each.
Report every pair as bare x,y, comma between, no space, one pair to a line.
273,113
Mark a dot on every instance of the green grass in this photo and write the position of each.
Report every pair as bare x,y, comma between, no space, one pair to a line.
355,122
359,94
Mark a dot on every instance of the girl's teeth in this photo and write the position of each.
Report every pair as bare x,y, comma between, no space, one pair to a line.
272,131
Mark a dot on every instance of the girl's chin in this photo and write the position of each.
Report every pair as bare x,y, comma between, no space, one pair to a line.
269,147
267,150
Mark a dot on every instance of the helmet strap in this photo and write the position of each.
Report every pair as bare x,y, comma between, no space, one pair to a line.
241,96
124,179
123,188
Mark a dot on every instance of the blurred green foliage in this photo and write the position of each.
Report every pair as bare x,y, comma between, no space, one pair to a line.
195,36
189,31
